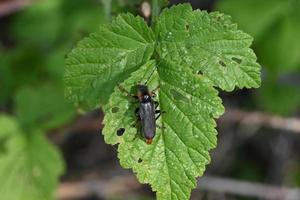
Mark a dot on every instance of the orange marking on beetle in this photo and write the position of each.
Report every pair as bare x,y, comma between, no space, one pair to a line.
149,141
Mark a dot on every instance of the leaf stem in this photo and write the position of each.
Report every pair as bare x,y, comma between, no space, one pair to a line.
155,7
107,8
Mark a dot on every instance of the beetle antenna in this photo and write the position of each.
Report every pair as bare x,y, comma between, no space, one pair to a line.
151,75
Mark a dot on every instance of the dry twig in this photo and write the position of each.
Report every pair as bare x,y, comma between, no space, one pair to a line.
127,183
9,6
262,119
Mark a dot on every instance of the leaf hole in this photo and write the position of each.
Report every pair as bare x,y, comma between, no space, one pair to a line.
237,60
140,160
200,73
120,131
178,96
187,27
115,109
222,63
3,149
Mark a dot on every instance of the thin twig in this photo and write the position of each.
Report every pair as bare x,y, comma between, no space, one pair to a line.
10,6
127,183
248,189
262,119
100,188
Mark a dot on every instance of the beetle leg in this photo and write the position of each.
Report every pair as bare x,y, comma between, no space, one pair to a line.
137,113
160,127
159,112
153,91
122,89
158,116
137,117
156,104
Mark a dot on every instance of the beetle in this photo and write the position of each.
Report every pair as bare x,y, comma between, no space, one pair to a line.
146,111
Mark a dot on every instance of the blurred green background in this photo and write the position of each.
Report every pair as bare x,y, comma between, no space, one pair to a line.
46,145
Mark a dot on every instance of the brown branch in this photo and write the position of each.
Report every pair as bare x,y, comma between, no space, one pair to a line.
100,188
127,183
261,119
9,6
243,188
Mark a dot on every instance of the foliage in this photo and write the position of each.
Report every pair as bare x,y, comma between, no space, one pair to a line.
43,107
190,54
28,163
275,25
31,86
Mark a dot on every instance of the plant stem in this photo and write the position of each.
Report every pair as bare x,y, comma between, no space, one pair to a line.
107,8
155,7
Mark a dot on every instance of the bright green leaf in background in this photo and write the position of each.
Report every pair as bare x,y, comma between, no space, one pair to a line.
30,83
275,25
279,98
188,54
43,107
29,164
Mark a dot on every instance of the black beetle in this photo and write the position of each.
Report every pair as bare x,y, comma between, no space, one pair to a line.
146,111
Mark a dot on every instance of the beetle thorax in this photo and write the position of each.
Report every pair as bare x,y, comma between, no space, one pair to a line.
143,94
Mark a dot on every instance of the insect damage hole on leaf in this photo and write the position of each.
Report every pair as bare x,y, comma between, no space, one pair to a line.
115,109
120,131
237,60
222,63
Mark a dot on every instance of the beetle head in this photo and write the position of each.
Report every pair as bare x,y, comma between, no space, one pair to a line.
143,93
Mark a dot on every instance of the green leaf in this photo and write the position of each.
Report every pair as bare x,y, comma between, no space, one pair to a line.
43,107
191,53
107,8
254,16
179,152
28,28
30,165
210,44
275,24
279,98
105,58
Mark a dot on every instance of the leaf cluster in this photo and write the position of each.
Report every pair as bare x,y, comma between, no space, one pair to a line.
31,86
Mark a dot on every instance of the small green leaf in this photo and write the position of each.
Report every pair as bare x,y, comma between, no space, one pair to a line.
29,165
275,24
254,16
43,107
28,29
179,152
105,58
107,8
279,98
210,44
